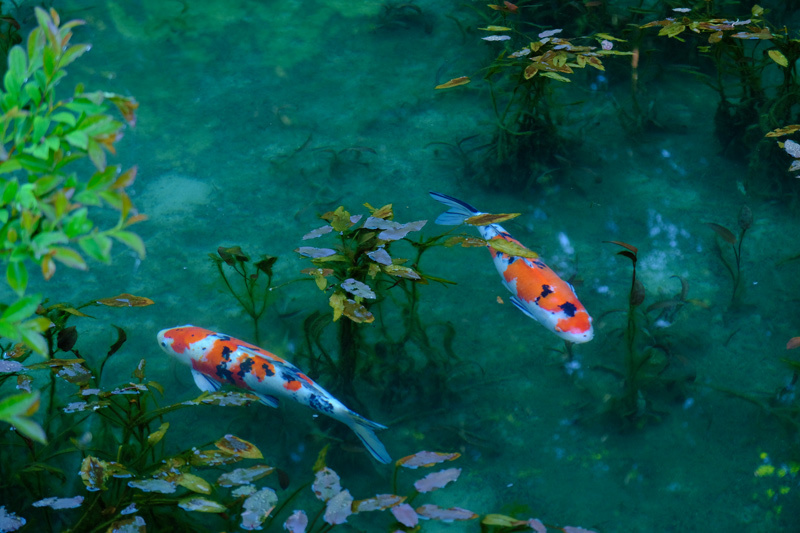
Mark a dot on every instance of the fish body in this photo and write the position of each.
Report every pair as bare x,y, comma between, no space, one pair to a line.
537,291
218,359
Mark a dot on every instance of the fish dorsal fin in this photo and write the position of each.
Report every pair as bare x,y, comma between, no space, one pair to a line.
205,383
266,399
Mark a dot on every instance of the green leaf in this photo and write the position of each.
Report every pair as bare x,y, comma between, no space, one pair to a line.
97,154
29,428
22,309
17,276
72,53
10,191
40,127
64,118
19,405
78,223
31,334
131,240
44,241
78,139
97,246
69,257
17,62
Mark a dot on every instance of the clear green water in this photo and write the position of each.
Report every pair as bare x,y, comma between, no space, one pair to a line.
229,90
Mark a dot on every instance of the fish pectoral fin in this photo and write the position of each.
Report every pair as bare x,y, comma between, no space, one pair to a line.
266,399
519,304
205,383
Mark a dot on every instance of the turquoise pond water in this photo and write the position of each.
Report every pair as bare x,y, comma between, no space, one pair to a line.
257,116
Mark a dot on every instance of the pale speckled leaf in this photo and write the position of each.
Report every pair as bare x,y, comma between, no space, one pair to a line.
244,490
134,524
244,476
338,508
380,256
378,503
201,505
257,508
153,485
357,312
7,367
315,253
326,484
313,234
10,521
405,514
296,523
792,148
401,271
573,529
231,398
426,459
60,503
435,512
358,288
437,480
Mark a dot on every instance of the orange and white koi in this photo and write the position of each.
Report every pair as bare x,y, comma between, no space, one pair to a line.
218,359
537,290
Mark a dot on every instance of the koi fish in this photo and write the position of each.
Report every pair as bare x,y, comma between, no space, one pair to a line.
537,290
218,359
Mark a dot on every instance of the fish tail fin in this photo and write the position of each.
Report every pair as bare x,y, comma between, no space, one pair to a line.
459,211
365,430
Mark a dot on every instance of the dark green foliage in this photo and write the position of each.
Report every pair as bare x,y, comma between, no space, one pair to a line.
734,268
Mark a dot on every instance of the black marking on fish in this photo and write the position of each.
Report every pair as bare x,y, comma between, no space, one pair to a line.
539,264
568,308
224,373
226,353
546,291
318,403
268,370
246,367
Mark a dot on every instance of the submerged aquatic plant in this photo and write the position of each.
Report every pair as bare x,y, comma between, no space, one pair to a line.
527,140
251,285
361,272
745,221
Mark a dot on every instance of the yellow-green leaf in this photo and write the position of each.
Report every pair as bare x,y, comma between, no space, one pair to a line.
495,28
194,483
126,300
511,248
778,57
557,77
341,219
455,82
158,434
336,301
235,446
487,218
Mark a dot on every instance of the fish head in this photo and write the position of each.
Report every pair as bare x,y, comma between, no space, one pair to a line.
184,342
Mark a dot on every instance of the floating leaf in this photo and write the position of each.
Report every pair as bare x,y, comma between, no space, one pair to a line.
194,483
313,234
793,343
495,28
76,374
401,271
55,363
380,256
378,503
786,130
135,524
341,220
161,486
95,472
296,523
484,219
60,503
426,459
154,437
67,338
338,508
315,253
257,508
405,514
723,232
336,301
126,300
778,57
9,367
357,288
201,505
10,521
244,476
466,242
497,38
455,82
319,275
445,515
792,148
357,312
235,446
212,458
226,399
511,248
77,407
437,480
326,484
573,529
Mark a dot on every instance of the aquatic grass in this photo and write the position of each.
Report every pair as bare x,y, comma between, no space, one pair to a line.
745,221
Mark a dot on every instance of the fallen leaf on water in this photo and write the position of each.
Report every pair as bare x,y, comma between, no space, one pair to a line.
235,446
126,300
484,219
437,480
426,459
455,82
